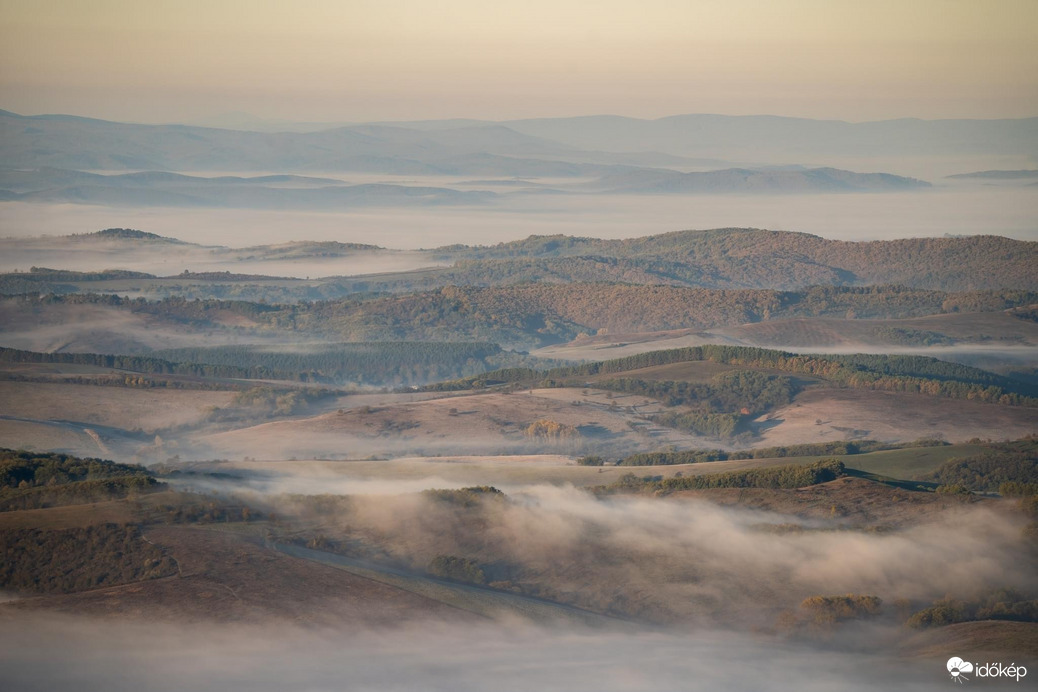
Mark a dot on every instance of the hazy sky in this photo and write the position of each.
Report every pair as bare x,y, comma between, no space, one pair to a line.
354,60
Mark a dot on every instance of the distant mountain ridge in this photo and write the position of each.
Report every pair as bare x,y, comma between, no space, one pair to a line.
158,188
85,144
441,147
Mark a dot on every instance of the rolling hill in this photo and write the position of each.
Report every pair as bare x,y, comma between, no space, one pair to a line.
732,258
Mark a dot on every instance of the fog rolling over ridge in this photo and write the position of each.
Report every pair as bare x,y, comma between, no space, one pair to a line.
699,561
698,564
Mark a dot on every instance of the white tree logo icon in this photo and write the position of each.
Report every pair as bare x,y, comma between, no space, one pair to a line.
956,667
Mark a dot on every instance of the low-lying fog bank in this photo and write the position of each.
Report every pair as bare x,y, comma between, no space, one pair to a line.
687,593
663,559
1007,212
505,657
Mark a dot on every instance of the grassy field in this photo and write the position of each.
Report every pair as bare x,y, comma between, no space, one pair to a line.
117,407
820,331
481,601
825,415
909,464
70,516
44,436
484,423
816,332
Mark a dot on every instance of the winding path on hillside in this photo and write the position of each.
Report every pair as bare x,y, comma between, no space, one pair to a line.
475,599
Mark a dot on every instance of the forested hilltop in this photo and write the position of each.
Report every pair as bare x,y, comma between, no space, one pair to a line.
754,258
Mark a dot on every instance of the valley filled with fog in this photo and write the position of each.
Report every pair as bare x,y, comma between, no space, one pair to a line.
874,216
559,403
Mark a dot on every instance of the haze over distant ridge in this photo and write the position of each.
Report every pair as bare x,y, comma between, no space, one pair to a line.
437,147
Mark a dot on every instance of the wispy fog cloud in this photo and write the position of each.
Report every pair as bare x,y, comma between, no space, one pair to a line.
714,568
667,560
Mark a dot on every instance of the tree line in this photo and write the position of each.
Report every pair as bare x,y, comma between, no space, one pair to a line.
698,456
914,374
1012,463
32,481
78,559
376,363
790,476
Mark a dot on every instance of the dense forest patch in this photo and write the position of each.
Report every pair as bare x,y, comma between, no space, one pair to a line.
1010,464
67,560
30,481
773,477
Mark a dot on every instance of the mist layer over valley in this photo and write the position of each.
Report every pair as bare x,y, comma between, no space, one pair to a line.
568,346
458,404
427,184
463,659
576,453
573,588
